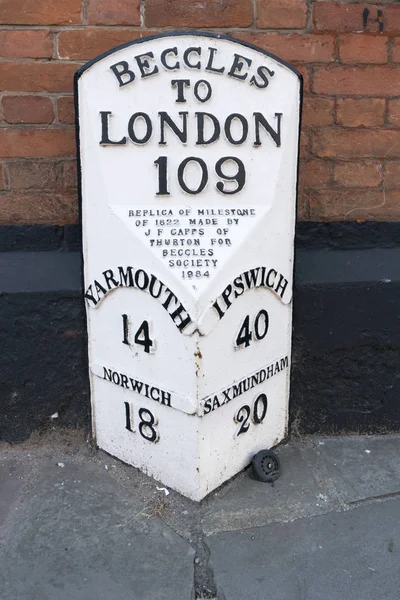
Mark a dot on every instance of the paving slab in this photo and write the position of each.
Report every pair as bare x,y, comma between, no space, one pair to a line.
361,466
80,535
354,554
302,490
11,482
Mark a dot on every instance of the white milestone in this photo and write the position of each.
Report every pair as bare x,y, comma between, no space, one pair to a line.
188,151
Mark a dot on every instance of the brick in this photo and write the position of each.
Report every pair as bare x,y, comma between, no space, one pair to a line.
392,175
391,19
40,12
285,14
26,208
37,76
294,47
362,48
117,12
27,109
89,42
30,175
206,13
394,113
317,112
396,50
69,175
360,112
313,173
356,143
26,44
354,205
304,139
2,178
330,16
357,81
304,70
302,206
66,110
354,174
20,143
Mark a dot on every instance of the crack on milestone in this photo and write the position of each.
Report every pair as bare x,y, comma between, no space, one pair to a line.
204,584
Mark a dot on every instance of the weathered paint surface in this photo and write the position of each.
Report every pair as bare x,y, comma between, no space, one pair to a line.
188,149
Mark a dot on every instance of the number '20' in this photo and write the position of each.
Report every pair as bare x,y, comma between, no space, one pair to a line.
239,176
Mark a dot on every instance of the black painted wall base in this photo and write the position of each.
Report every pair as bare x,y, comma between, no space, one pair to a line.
346,330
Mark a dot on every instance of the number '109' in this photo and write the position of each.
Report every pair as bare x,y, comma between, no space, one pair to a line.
239,177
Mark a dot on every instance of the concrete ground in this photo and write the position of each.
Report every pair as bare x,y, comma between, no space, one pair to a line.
76,524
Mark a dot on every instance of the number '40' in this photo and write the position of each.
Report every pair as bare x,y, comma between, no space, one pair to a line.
260,329
141,337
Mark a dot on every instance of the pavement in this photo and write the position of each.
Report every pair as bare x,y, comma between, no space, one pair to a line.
76,524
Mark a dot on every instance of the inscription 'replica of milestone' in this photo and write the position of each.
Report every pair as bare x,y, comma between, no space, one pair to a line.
190,240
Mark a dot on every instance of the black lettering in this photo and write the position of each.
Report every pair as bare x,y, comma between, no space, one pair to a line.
136,385
237,66
200,128
131,128
186,55
251,277
165,398
239,177
142,285
166,119
105,138
120,70
282,285
99,288
264,79
238,283
109,276
254,380
152,391
225,294
163,59
268,283
204,175
227,128
209,66
180,84
89,296
144,65
167,302
107,374
284,362
183,322
162,164
207,406
276,135
226,395
196,90
124,381
218,309
237,390
216,403
153,280
125,278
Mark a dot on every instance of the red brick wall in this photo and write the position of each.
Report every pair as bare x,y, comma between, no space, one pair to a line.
349,54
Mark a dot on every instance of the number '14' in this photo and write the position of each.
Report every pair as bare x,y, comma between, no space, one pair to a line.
141,337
